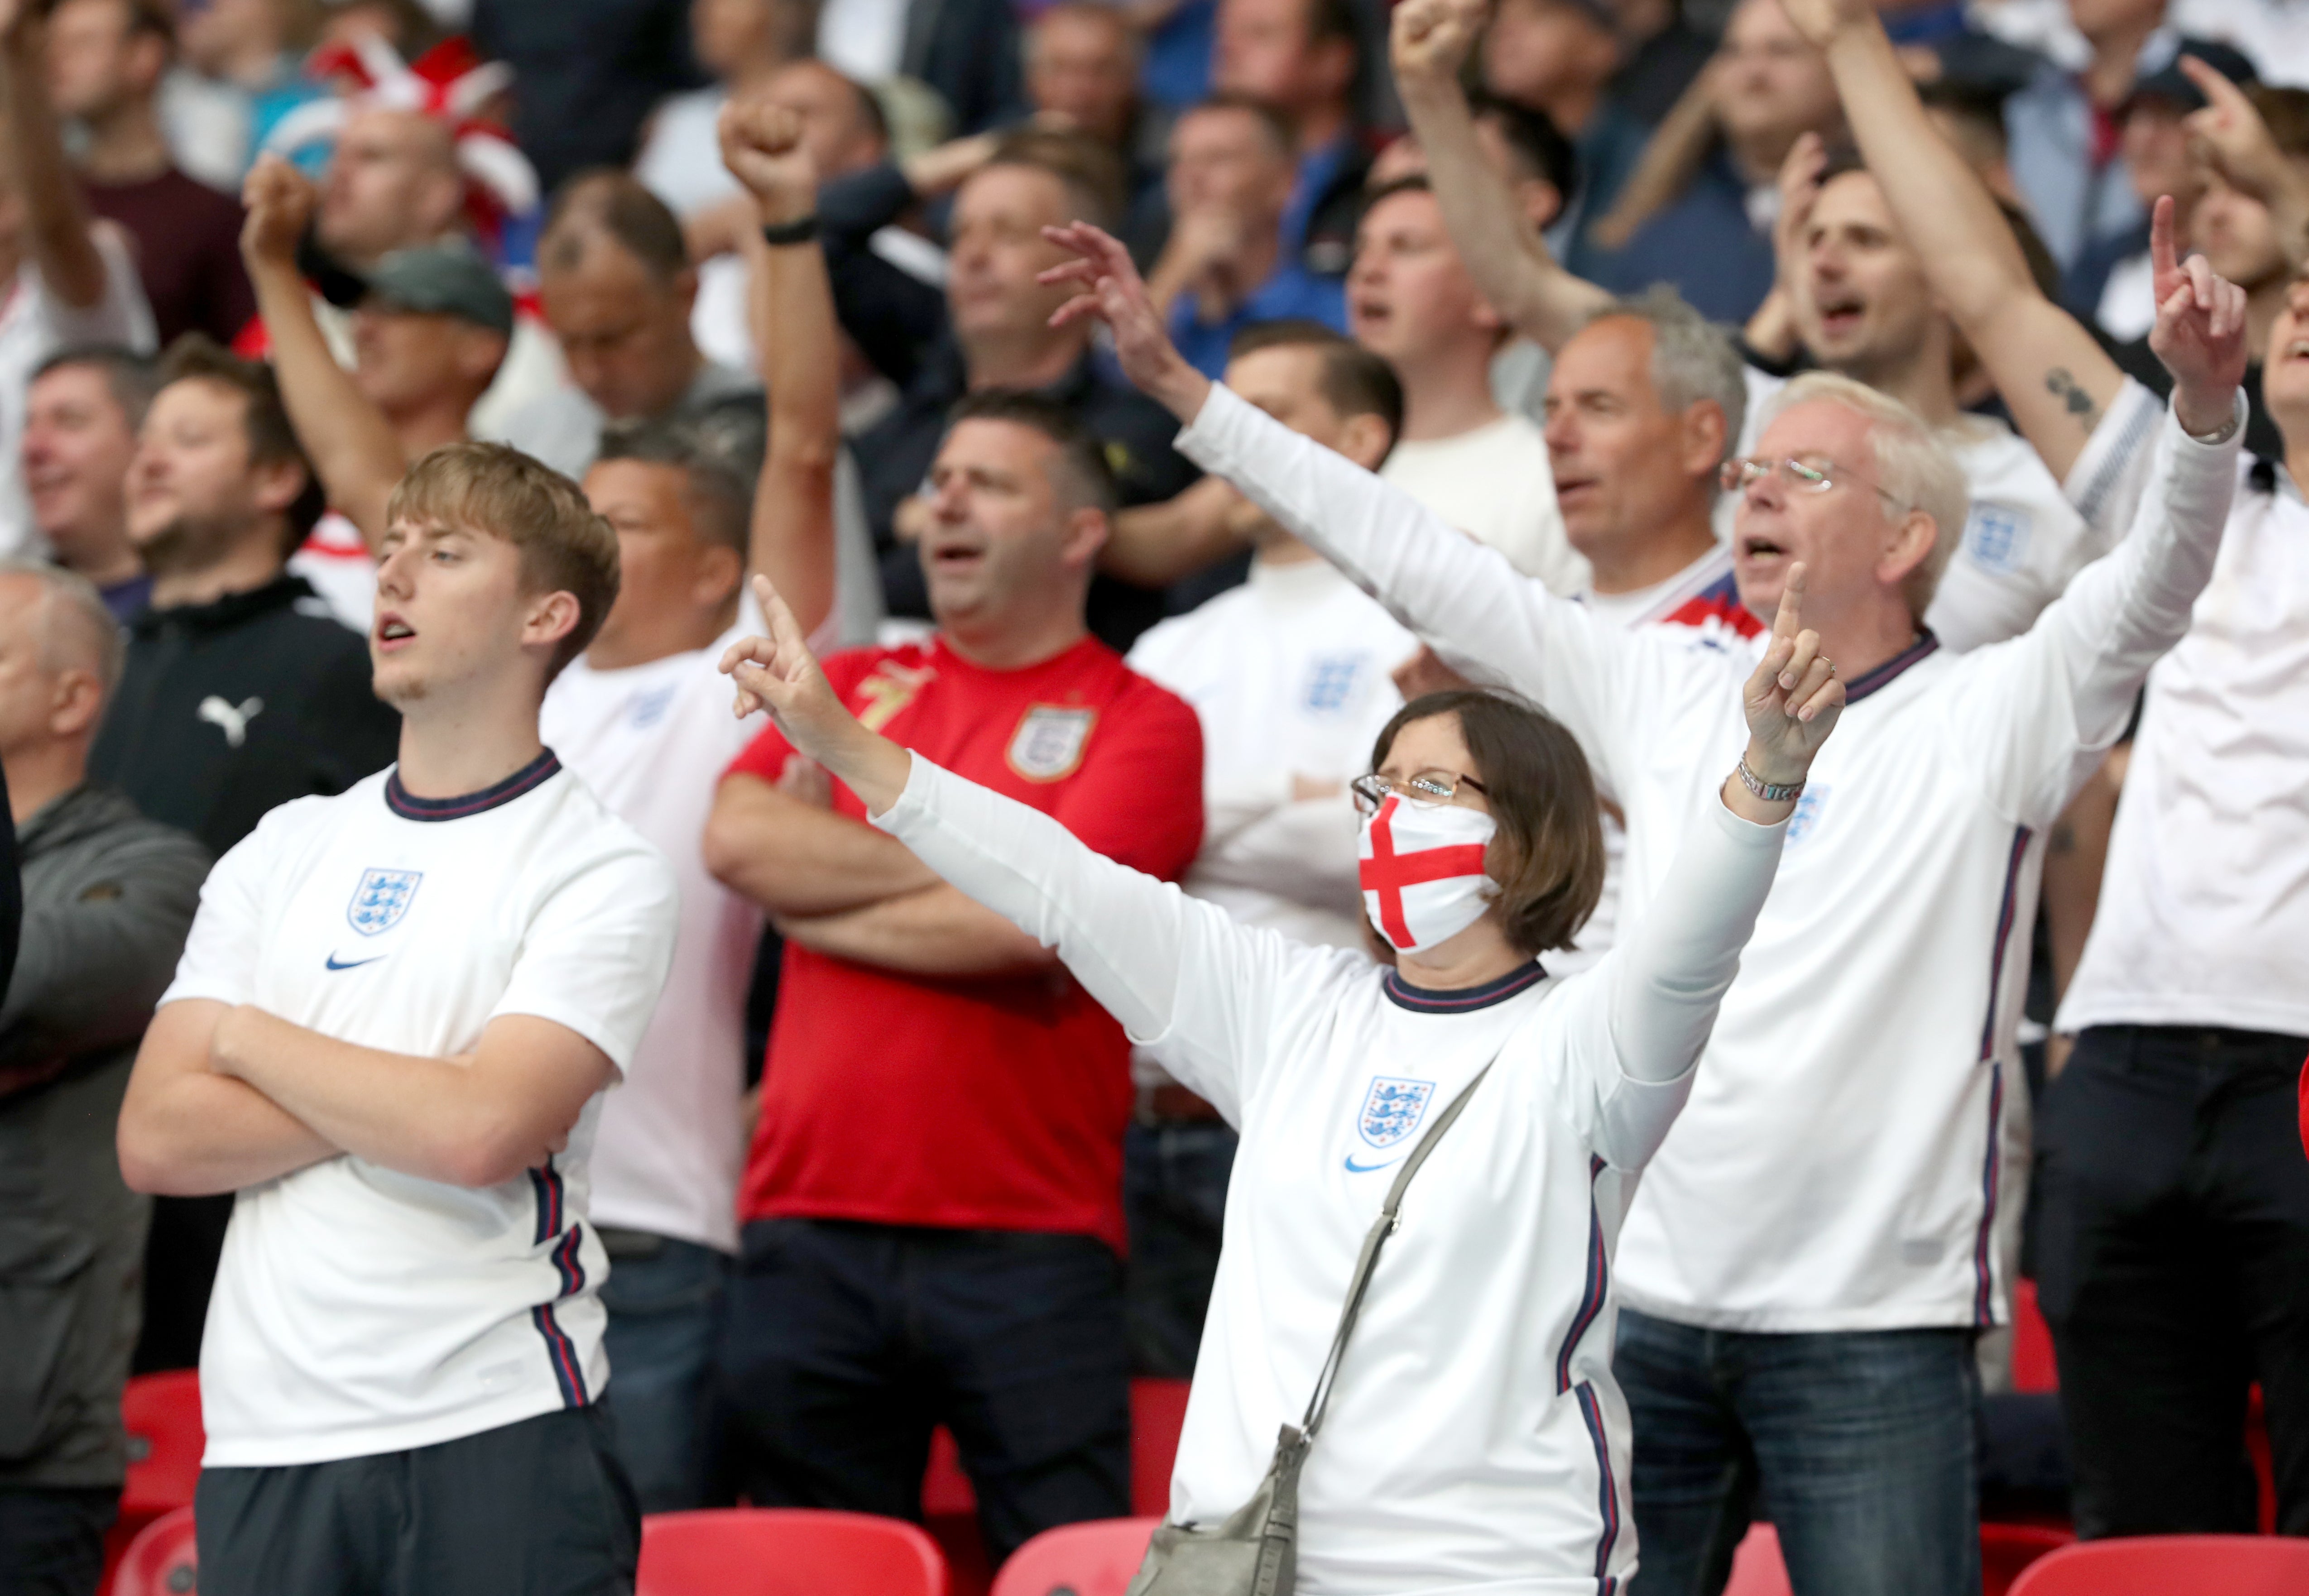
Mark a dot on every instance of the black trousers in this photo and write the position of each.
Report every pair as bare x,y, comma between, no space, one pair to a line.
846,1344
52,1538
2173,1267
538,1509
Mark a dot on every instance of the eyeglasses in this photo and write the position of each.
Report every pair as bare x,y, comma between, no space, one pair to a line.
1424,786
1800,476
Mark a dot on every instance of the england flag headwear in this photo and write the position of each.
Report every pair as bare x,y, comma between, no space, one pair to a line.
450,84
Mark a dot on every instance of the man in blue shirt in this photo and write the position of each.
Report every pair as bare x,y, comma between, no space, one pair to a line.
1224,266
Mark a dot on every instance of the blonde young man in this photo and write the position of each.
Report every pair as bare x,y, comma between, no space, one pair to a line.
390,1034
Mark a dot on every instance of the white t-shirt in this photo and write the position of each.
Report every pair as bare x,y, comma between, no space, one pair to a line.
2204,907
1476,1437
2023,542
1838,1166
1494,484
863,39
35,324
362,1310
652,741
1290,674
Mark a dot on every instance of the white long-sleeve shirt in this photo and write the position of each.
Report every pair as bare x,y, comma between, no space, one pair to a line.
2204,909
1475,1437
1836,1170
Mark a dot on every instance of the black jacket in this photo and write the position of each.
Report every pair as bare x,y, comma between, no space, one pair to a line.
231,709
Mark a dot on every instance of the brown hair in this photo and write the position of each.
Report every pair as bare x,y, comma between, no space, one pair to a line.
265,419
1547,856
1354,382
499,491
1082,475
1097,184
605,203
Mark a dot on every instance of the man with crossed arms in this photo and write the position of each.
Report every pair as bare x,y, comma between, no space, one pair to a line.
1809,1260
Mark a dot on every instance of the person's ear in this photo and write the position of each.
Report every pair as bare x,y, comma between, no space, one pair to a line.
479,354
1908,545
552,617
1703,443
77,701
685,291
148,60
1086,531
720,570
279,484
1365,440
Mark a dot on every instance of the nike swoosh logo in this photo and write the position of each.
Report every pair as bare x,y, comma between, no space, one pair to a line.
351,964
1355,1169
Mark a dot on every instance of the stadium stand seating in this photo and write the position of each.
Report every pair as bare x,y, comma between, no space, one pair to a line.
786,1551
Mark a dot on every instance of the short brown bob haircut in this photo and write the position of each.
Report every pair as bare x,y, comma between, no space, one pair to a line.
1547,856
499,491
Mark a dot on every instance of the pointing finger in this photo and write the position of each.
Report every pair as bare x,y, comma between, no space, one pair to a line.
1790,620
2162,259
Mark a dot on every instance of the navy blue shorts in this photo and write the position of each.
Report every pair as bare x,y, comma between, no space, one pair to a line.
538,1509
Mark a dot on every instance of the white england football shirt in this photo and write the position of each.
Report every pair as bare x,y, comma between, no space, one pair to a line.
1838,1168
652,740
1476,1438
357,1310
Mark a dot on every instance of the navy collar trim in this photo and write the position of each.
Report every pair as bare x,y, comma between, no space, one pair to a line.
528,779
1466,1000
1861,686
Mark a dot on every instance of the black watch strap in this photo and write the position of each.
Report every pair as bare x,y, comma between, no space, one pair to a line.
792,232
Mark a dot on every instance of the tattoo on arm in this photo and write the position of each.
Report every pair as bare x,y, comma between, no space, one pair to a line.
2065,387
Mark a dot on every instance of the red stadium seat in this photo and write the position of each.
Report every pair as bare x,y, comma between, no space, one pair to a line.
2172,1566
1755,1567
1158,1410
160,1561
786,1551
1093,1559
2005,1549
165,1441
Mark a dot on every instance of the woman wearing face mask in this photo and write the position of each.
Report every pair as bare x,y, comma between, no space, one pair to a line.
1474,1437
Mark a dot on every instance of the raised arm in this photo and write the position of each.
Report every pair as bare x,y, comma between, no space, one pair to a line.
353,447
2054,376
792,541
1429,41
2232,132
2062,691
1127,936
56,216
1464,601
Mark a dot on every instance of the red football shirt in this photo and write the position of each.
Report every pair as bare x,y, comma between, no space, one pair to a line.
975,1102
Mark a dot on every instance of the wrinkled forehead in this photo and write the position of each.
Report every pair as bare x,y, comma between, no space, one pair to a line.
1818,429
1613,354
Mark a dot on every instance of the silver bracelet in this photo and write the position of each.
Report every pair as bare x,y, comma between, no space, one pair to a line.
1771,793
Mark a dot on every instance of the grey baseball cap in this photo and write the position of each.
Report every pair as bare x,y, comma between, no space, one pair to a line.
447,279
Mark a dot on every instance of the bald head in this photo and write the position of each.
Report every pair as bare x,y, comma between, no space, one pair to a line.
616,284
394,182
60,655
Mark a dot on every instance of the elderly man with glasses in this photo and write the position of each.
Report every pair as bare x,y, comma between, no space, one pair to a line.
1809,1260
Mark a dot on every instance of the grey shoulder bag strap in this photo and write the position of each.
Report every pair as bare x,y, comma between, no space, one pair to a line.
1254,1550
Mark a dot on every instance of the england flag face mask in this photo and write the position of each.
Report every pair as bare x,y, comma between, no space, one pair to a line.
1422,868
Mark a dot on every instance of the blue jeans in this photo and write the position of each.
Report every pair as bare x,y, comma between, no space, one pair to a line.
1860,1442
665,1300
1175,1187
